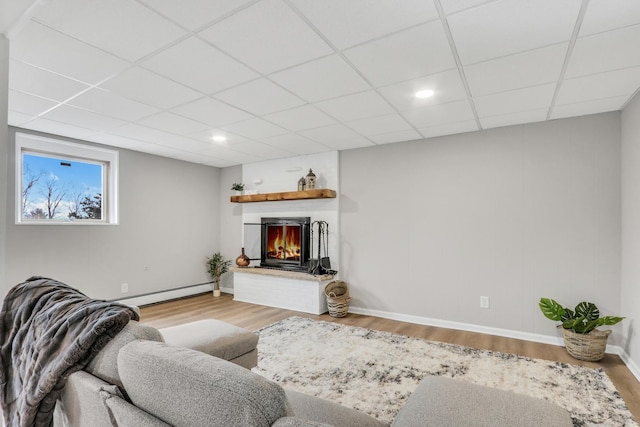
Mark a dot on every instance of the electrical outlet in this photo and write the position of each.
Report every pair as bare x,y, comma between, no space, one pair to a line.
484,302
124,288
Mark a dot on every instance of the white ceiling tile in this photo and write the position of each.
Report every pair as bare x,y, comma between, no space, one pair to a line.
15,118
447,87
397,136
347,23
605,52
381,124
211,112
260,97
255,128
300,118
227,154
268,36
149,88
89,120
449,129
45,48
173,123
296,144
58,128
354,107
452,6
111,104
433,115
589,107
598,86
323,78
525,69
515,101
260,149
196,64
412,53
337,137
29,104
514,118
123,27
155,136
193,14
505,27
605,15
116,141
28,79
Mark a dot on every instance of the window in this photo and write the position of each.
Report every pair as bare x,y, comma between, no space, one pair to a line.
59,182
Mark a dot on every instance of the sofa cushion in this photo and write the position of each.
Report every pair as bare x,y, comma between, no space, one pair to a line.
123,413
184,387
211,336
322,411
105,364
445,402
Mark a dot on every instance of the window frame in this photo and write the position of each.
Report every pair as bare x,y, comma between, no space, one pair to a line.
50,147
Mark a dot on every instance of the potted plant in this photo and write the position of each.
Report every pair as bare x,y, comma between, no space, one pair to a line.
216,267
238,187
582,340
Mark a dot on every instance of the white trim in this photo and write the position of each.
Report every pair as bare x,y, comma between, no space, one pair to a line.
633,367
49,146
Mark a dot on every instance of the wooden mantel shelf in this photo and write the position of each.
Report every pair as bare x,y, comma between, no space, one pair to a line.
321,193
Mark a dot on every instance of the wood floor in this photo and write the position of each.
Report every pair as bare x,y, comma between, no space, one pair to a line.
253,317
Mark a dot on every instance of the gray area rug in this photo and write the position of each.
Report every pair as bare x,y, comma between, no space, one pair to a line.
375,372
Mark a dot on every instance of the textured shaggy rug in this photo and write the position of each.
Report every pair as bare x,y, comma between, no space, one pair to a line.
375,372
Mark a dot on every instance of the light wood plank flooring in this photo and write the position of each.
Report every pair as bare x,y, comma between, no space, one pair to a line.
253,317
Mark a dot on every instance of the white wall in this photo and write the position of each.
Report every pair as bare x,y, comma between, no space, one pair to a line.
169,223
514,213
630,293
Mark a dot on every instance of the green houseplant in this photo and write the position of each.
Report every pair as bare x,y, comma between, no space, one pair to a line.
216,267
582,340
238,187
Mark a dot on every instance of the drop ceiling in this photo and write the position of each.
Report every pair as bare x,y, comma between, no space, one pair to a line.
281,78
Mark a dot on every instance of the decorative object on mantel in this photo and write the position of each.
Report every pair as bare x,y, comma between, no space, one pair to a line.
243,260
302,184
337,293
310,180
582,340
319,193
238,187
216,267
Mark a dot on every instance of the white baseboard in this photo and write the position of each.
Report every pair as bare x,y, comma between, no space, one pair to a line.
170,294
508,333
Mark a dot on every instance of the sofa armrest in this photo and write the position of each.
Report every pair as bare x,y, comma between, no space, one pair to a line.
445,402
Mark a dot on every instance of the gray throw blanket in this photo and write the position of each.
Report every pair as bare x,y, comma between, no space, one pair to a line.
49,330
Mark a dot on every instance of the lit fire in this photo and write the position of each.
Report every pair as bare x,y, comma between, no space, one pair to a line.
282,246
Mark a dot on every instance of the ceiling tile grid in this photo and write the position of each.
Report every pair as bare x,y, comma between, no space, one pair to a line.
279,78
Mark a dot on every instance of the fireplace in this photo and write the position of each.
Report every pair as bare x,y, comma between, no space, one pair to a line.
285,243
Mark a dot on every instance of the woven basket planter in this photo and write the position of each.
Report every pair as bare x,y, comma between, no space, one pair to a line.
337,293
588,347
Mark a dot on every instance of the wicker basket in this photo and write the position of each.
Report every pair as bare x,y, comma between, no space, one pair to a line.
589,347
337,293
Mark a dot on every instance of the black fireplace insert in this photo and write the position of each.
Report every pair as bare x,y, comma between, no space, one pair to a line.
285,243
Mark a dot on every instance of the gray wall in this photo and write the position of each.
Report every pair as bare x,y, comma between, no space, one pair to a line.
514,213
4,146
631,228
230,220
169,223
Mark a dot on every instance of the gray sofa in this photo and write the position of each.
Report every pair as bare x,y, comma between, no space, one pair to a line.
138,380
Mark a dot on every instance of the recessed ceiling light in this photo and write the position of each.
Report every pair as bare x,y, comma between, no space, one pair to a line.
219,138
427,93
